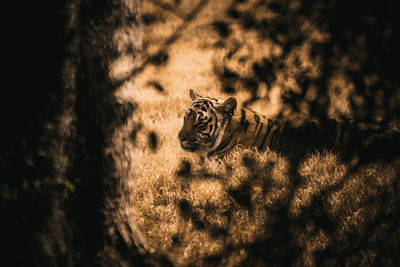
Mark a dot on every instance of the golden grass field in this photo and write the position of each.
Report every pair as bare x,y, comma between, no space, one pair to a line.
211,211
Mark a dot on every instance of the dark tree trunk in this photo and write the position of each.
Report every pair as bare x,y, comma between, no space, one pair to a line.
55,198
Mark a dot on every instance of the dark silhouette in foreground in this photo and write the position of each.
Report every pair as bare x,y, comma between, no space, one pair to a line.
50,220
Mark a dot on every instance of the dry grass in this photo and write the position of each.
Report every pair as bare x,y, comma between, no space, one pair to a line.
218,208
201,211
198,213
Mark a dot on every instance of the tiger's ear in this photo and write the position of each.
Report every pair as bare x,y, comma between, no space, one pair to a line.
228,107
193,95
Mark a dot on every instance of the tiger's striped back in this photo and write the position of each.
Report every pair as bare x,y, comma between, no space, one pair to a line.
250,129
216,126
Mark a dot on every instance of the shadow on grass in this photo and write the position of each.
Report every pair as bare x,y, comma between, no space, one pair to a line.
362,32
326,231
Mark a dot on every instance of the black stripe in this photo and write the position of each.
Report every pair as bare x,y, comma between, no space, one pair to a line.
257,118
256,138
275,137
198,103
259,130
266,134
243,116
245,123
224,143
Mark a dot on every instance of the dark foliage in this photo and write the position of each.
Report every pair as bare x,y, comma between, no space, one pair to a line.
153,141
156,85
222,28
122,111
134,132
249,162
29,102
373,55
185,169
241,196
149,19
159,59
189,213
345,23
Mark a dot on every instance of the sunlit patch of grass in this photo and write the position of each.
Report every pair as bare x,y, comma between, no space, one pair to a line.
345,208
318,172
364,197
197,215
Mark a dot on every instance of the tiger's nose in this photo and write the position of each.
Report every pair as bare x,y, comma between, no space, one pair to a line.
181,136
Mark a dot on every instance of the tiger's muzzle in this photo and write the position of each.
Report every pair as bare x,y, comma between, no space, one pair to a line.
186,143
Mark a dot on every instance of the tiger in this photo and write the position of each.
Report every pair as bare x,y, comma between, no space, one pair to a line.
216,126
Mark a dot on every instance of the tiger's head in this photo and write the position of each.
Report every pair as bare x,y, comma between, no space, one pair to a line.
204,122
